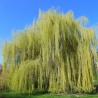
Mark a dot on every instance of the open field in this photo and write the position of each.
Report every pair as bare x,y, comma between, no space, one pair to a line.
45,95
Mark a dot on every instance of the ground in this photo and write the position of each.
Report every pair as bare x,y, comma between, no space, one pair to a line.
7,94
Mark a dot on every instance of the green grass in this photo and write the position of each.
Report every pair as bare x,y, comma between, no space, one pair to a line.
7,94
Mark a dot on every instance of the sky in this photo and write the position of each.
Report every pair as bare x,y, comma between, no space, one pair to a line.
17,14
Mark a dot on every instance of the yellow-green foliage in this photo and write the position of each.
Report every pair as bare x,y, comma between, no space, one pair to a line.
3,81
56,54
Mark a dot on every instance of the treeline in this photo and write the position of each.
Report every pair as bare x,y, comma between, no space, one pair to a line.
56,54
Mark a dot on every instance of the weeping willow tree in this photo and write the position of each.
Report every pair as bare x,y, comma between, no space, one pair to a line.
56,54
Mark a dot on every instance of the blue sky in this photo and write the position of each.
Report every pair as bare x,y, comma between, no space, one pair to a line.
16,14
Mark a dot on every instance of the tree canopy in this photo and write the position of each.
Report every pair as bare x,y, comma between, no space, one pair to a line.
57,54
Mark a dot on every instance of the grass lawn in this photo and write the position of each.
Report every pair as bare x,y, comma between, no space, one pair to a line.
7,94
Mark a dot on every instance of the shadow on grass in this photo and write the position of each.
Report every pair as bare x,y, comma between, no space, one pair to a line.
36,93
10,94
45,94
